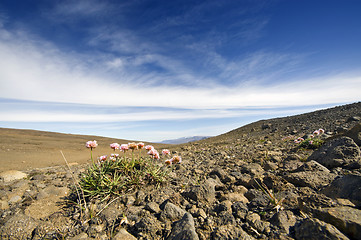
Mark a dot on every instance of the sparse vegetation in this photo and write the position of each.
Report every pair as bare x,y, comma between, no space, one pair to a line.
117,174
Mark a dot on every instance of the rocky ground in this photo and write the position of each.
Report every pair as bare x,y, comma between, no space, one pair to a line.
213,193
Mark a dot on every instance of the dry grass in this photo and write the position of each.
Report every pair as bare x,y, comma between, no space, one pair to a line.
29,149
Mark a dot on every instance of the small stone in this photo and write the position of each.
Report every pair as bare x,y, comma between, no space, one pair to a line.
236,197
43,208
81,236
12,175
205,192
202,213
52,191
15,199
172,212
239,210
152,207
184,229
284,219
124,235
4,205
18,226
255,221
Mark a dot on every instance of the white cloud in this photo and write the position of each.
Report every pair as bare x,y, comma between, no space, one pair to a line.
79,8
35,70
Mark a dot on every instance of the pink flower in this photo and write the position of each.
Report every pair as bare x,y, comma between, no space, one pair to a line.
165,152
310,142
168,162
124,147
311,136
115,155
114,146
152,152
299,140
149,147
103,158
140,145
133,145
176,159
316,133
321,131
91,144
156,155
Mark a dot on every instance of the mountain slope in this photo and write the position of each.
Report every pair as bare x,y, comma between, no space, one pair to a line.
25,149
184,140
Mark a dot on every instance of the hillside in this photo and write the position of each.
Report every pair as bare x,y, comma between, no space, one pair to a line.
184,140
29,149
253,182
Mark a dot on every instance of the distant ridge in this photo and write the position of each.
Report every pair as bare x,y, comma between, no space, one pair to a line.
184,140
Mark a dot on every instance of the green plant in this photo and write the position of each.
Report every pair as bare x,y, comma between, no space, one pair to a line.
271,197
113,177
311,143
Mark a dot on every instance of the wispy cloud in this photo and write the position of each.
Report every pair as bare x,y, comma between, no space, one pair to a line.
33,70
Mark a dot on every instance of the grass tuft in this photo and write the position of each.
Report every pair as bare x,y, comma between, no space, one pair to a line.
114,177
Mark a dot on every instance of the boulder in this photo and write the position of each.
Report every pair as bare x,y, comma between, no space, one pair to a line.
346,219
314,229
338,152
310,174
347,186
355,134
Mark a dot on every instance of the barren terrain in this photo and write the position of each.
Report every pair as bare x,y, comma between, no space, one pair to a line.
30,149
253,182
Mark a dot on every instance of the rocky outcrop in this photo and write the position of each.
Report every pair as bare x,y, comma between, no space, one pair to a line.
339,152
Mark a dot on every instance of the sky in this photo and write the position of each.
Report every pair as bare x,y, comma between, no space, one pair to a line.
154,70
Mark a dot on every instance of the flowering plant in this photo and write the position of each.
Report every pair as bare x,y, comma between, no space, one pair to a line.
118,173
313,141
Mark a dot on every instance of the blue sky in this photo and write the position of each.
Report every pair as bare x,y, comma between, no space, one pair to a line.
155,70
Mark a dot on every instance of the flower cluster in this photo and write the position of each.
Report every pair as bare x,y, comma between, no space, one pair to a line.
299,140
91,144
114,146
173,160
152,152
114,157
319,132
103,158
312,142
112,175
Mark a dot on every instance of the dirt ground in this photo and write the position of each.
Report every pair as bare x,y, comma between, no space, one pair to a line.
30,149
